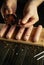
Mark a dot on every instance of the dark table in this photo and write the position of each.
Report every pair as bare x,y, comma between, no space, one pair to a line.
20,54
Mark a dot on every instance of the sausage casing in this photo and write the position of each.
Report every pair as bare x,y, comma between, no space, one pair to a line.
20,33
28,33
11,31
37,33
3,30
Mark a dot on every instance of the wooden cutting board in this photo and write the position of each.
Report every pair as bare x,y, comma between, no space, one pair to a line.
30,42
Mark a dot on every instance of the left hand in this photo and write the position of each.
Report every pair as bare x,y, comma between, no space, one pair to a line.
8,11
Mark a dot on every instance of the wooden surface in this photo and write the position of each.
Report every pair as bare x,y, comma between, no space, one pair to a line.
30,42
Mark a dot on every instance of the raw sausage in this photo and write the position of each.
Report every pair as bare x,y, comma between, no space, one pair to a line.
37,33
28,33
3,30
20,33
11,31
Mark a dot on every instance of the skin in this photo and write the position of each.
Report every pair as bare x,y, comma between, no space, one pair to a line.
30,11
9,7
12,5
30,16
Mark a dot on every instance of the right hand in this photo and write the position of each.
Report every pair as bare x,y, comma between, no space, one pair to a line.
30,15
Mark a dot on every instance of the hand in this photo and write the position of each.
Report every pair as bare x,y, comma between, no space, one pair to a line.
12,5
8,10
30,15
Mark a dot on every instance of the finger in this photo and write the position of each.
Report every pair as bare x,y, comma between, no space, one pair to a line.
33,21
26,18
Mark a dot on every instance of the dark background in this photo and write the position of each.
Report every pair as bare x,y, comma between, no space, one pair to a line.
20,7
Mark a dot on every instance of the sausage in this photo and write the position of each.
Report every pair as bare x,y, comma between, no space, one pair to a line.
28,33
37,33
20,33
11,31
3,30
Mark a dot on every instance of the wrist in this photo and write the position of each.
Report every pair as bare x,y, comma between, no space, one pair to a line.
36,2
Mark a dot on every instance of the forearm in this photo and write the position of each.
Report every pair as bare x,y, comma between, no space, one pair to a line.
36,2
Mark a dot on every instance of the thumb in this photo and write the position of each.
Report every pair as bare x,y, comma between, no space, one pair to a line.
26,18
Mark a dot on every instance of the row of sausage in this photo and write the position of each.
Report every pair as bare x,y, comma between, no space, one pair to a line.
19,35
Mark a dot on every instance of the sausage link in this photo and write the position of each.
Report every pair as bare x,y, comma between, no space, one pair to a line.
3,30
20,33
37,33
28,33
11,31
